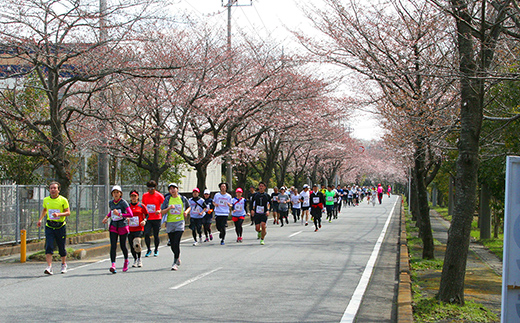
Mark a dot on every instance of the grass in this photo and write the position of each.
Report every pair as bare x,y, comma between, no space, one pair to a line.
40,255
425,275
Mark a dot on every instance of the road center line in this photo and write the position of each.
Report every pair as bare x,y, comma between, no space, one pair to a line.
292,235
194,279
359,292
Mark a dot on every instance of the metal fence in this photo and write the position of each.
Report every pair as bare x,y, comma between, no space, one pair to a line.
21,206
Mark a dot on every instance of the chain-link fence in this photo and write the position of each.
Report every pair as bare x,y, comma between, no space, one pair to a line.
21,206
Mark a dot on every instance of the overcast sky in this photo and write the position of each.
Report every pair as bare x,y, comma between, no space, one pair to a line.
269,19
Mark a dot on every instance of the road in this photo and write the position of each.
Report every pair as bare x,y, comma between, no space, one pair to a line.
298,276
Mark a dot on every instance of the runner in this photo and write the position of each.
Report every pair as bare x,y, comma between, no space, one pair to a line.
329,202
175,210
283,205
274,205
337,201
198,209
136,224
56,208
379,193
389,190
296,204
222,201
239,212
305,200
119,210
260,211
206,221
153,200
374,196
317,205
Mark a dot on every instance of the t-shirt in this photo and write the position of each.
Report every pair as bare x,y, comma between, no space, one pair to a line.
139,213
261,203
329,197
281,199
295,200
175,217
239,207
305,197
153,203
274,199
317,200
221,203
197,205
57,205
121,206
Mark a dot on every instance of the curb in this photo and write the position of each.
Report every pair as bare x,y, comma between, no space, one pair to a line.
404,294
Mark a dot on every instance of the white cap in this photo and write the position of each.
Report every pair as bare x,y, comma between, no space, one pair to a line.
206,191
173,184
305,186
116,188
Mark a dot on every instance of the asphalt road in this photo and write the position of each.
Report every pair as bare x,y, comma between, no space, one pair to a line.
298,276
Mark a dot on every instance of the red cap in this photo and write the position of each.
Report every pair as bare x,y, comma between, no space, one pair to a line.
239,190
196,189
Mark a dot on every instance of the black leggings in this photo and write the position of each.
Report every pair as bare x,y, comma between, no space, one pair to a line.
238,227
296,214
207,229
113,245
131,237
155,226
175,241
316,214
221,222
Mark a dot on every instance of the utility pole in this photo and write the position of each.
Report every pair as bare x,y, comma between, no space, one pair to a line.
228,5
103,175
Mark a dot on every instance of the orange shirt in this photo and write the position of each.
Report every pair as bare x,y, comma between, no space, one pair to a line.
153,203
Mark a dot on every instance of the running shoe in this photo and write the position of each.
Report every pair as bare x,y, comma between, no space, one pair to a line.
139,263
206,240
169,243
175,267
282,224
195,243
63,268
178,262
316,230
156,253
330,221
48,270
125,266
319,225
222,242
210,237
259,234
240,239
262,242
113,268
148,253
306,223
135,263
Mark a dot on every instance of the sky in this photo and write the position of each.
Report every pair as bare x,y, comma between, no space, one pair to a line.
270,19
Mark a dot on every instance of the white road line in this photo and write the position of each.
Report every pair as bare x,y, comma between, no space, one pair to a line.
355,301
189,281
292,235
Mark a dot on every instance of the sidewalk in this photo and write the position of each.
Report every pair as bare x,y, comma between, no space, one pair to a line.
483,282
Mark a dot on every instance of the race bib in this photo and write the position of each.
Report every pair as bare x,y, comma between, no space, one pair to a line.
329,199
260,209
51,214
177,209
150,208
306,202
335,200
222,202
239,207
115,217
315,200
133,221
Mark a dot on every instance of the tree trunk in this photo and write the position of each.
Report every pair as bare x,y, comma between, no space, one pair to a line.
425,227
202,174
451,288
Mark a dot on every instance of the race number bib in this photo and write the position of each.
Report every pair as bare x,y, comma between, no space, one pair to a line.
239,207
133,221
329,199
177,209
115,217
315,200
222,202
306,201
260,209
150,208
51,214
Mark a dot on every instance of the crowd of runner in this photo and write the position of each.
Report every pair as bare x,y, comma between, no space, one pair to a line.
137,219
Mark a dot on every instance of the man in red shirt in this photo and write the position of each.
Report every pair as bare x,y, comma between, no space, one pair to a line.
153,200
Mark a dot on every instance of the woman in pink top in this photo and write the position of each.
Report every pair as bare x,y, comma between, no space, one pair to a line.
379,193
